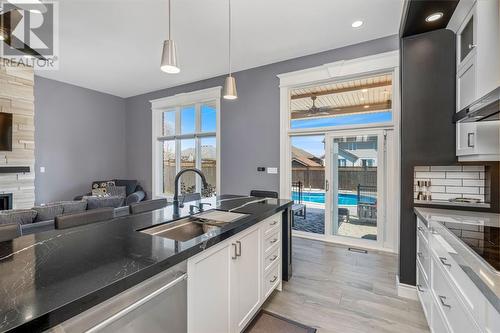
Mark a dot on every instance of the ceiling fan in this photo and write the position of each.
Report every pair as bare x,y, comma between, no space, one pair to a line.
8,22
316,111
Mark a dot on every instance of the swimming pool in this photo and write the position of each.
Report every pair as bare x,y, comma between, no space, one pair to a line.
345,199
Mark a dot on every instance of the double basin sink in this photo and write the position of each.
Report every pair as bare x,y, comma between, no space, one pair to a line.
193,226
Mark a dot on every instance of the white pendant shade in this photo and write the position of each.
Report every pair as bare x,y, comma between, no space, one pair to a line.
169,62
230,88
230,83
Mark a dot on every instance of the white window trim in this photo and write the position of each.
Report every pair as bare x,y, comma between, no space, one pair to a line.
338,71
158,106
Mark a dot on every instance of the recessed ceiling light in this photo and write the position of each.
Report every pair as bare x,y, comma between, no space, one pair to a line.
364,90
357,24
366,106
361,98
434,17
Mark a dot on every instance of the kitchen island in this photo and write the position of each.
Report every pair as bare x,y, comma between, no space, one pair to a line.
50,277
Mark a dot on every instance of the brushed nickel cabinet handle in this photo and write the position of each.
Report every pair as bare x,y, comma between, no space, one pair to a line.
273,241
443,303
273,258
273,223
419,288
419,254
238,249
235,251
420,228
443,261
273,279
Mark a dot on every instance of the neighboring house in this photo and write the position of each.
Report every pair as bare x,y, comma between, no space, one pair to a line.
358,154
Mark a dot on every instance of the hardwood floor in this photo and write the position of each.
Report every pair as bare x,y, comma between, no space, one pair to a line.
336,290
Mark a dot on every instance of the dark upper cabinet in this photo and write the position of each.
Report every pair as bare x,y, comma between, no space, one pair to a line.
428,96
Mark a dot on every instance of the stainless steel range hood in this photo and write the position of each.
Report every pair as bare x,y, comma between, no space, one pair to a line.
486,108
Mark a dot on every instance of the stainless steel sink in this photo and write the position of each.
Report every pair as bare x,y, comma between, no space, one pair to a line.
193,226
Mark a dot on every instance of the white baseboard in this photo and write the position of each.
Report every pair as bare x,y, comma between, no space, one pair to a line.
406,290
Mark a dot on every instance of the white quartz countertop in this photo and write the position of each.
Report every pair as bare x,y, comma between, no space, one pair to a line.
488,282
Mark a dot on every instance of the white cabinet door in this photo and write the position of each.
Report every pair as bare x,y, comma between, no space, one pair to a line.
246,296
466,138
209,278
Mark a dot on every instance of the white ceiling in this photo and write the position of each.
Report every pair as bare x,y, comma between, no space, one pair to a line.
114,46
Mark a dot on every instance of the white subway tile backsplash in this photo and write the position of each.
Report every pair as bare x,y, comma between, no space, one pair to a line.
463,175
473,182
450,182
447,168
445,196
420,174
437,189
473,168
462,190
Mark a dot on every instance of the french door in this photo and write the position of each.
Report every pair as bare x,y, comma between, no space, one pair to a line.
355,178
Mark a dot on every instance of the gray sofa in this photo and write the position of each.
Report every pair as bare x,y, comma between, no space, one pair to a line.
133,190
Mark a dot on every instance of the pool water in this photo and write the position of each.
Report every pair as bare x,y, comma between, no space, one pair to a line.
345,199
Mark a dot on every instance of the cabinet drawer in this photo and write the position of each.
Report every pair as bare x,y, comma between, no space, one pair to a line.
470,295
437,323
272,223
271,279
424,293
456,315
271,258
423,254
271,240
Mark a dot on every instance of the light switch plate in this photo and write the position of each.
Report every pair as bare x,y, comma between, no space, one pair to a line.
272,170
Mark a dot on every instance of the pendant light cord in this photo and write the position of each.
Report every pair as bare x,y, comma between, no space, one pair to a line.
229,37
169,20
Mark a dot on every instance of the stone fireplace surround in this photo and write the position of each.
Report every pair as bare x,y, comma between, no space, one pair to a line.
17,174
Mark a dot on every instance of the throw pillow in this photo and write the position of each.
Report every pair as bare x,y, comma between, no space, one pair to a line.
19,216
48,212
117,191
99,188
130,185
70,207
100,202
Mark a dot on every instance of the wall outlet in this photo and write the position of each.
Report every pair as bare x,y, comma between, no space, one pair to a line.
42,169
272,170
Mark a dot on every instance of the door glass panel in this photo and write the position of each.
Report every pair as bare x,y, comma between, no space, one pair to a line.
209,164
188,160
168,167
308,183
466,39
354,188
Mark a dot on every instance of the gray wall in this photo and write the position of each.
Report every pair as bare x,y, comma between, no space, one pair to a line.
249,125
79,136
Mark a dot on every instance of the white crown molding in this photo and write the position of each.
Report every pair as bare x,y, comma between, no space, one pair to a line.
197,96
341,69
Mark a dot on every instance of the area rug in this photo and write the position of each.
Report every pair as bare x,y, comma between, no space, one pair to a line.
267,322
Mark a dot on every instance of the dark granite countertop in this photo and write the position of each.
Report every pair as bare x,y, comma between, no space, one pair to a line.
49,277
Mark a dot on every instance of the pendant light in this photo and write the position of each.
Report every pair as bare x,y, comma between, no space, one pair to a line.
169,62
230,84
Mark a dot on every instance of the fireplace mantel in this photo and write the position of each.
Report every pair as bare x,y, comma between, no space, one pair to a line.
14,169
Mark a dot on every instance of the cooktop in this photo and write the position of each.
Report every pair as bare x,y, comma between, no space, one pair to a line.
484,240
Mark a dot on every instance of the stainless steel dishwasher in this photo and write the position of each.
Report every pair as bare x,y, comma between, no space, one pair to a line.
158,304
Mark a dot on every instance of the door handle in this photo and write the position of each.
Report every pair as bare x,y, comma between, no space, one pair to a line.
238,249
470,140
235,256
327,185
443,303
443,261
